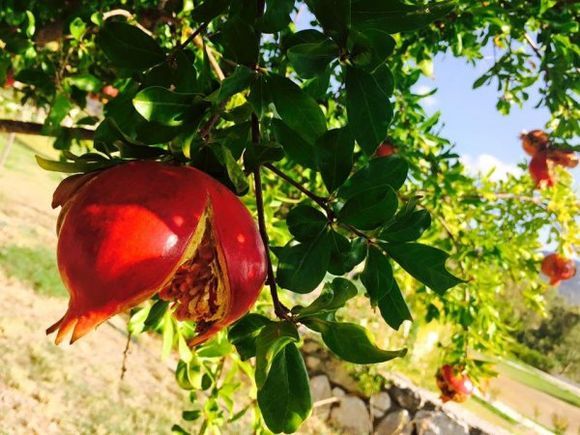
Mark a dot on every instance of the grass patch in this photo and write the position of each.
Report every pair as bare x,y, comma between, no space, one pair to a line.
35,266
533,380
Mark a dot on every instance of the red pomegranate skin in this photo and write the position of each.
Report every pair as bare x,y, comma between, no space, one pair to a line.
385,149
534,141
540,171
125,232
457,387
568,159
558,268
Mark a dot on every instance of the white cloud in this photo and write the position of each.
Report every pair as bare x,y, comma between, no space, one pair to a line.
429,101
484,163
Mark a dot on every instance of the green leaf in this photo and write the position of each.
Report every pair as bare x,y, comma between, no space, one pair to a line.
425,263
302,37
334,296
272,339
395,16
276,17
334,151
370,49
208,10
298,110
244,332
344,255
61,107
156,314
305,222
188,375
377,277
351,342
369,210
259,97
85,82
168,335
407,227
191,415
240,41
236,82
161,105
129,47
235,172
393,307
302,267
72,167
388,171
285,400
294,145
77,28
368,107
257,155
333,16
312,58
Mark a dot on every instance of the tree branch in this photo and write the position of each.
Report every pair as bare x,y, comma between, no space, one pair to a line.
22,127
279,308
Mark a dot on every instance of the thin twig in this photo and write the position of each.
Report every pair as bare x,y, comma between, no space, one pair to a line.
125,354
532,44
322,202
191,37
281,311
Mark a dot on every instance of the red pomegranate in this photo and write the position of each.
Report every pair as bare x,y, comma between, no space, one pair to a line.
144,228
558,268
568,159
453,384
540,171
109,92
385,149
534,141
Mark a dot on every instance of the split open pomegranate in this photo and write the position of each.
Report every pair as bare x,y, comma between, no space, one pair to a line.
144,228
558,268
453,384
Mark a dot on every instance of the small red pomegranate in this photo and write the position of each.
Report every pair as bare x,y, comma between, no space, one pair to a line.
558,268
109,92
9,82
540,171
144,228
385,149
534,141
453,384
568,159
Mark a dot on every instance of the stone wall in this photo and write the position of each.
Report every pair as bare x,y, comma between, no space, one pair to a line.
400,408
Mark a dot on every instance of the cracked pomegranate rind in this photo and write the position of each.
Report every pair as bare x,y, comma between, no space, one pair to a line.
143,228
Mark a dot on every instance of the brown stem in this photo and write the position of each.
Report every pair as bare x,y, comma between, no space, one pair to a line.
280,309
191,37
125,353
22,127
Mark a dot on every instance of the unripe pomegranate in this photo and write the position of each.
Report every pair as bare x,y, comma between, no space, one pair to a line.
453,384
385,149
568,159
534,141
144,228
558,268
540,171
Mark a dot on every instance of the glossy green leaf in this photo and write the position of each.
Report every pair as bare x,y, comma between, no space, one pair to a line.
161,105
85,82
259,96
351,342
334,17
368,107
305,222
334,156
425,263
312,58
369,210
60,108
395,16
370,49
209,9
240,42
294,145
156,314
303,266
334,296
388,171
236,82
272,339
407,227
257,155
129,47
345,255
285,400
393,307
244,332
235,172
298,110
276,17
72,167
